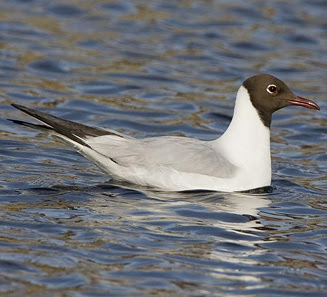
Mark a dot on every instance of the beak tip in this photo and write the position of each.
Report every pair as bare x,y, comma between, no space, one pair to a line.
300,101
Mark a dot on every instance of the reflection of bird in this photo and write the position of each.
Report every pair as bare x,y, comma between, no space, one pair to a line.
237,161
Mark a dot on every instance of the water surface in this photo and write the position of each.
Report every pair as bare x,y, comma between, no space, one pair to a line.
150,68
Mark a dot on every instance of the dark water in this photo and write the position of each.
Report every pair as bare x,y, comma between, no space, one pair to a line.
156,68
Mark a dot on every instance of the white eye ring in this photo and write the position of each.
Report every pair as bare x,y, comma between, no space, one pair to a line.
272,89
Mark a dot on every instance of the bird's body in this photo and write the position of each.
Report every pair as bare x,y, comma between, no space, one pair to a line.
237,161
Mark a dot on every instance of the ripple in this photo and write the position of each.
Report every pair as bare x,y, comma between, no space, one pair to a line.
250,12
143,77
119,7
20,29
251,46
302,39
104,88
50,66
60,282
157,68
66,10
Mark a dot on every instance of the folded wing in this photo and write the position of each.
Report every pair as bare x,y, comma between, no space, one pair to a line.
179,153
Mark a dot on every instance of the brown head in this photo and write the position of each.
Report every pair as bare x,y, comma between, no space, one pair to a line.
268,94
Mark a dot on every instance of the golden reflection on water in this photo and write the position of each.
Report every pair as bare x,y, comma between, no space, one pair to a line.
169,68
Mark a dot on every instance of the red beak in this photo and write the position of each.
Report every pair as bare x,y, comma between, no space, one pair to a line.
299,101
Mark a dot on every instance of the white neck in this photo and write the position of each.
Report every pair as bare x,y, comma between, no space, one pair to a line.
246,142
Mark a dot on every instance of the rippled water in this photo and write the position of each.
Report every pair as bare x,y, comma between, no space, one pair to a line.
155,68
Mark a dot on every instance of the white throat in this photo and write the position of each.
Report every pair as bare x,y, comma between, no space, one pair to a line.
246,142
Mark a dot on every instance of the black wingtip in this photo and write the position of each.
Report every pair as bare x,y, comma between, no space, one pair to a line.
74,131
30,125
41,116
17,105
21,107
16,121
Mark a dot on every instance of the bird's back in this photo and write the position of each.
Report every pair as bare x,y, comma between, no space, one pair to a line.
182,154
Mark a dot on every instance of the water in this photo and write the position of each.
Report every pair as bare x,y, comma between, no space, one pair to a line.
150,68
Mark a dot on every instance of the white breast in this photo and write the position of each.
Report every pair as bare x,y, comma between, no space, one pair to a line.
246,143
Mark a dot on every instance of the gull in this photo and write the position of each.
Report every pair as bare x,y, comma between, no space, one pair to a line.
239,160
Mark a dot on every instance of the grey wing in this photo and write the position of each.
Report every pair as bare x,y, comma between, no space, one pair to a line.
179,153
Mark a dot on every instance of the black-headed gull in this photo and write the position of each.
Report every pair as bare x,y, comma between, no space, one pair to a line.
239,160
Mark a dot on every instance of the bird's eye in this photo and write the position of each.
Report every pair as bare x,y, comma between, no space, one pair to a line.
272,89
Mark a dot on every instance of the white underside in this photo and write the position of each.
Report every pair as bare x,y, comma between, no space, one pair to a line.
237,161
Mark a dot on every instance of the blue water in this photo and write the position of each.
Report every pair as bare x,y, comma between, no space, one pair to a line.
149,68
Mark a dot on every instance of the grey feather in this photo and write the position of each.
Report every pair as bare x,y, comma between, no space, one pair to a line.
180,153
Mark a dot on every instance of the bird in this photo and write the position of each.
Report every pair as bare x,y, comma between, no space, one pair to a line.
239,160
